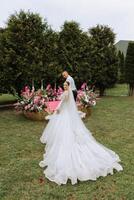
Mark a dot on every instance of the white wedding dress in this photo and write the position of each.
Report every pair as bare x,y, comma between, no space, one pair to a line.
71,152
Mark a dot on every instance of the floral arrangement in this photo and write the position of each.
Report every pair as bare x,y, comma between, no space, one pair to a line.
43,100
53,94
31,101
36,101
86,97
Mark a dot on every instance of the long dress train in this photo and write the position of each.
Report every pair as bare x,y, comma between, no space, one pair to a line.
71,152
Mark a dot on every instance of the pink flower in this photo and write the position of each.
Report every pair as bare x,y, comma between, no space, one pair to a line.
42,101
32,108
60,91
26,108
48,87
80,93
26,93
83,86
26,89
54,92
36,99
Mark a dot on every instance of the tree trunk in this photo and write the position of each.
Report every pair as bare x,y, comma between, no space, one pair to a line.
102,91
131,89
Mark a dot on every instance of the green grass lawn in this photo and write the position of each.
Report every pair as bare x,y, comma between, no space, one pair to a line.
118,90
7,98
112,124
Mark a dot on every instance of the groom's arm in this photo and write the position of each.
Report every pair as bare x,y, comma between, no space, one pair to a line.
68,79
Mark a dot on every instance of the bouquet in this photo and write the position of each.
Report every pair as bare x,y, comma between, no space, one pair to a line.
86,97
31,101
53,94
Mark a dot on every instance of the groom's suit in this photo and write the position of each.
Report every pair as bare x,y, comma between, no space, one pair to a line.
73,86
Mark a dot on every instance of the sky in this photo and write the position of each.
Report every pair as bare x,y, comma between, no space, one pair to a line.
118,14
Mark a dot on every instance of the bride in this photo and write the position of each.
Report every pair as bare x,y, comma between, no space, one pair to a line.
71,152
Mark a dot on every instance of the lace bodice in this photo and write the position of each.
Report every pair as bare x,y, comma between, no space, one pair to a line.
64,98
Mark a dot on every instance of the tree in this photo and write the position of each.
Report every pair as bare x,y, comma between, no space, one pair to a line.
22,50
31,50
103,57
74,51
50,58
121,69
129,68
2,74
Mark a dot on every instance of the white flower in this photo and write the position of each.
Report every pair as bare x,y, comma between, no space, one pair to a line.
39,108
93,102
86,99
42,164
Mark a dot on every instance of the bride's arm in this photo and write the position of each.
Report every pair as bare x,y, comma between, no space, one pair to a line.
63,99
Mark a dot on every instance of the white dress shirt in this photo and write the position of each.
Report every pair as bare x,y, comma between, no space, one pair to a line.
72,83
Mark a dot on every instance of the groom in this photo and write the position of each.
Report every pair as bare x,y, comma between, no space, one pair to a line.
68,78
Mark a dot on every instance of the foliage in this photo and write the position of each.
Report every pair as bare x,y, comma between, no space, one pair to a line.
121,67
129,68
21,50
51,71
74,51
30,51
103,57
